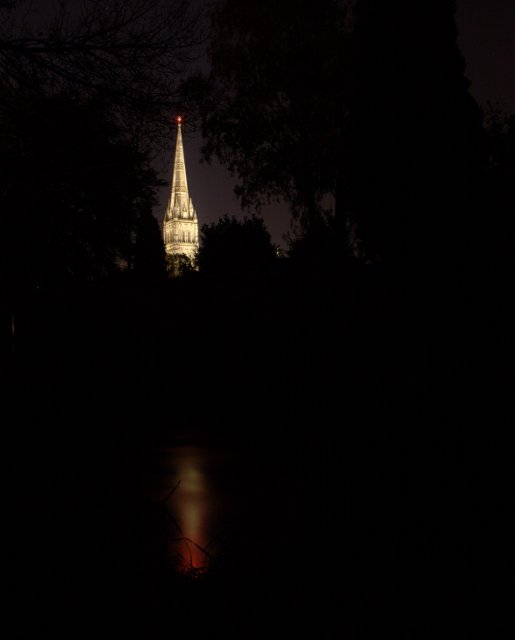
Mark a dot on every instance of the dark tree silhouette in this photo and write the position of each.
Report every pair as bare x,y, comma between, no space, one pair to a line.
416,145
180,264
235,246
149,251
72,191
498,240
272,103
316,248
131,52
415,173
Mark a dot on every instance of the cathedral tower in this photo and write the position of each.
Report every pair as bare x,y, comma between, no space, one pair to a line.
180,226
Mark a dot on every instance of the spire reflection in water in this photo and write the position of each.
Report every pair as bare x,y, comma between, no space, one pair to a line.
195,479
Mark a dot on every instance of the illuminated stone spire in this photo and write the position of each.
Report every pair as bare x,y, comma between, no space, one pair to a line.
180,227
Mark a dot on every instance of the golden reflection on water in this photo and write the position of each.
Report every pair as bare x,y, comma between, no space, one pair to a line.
197,504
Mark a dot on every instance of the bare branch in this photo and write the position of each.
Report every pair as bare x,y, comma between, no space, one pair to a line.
130,52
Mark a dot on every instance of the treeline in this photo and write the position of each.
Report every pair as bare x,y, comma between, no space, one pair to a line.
356,114
359,115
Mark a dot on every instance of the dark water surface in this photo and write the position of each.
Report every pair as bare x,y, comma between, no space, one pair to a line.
329,497
254,498
266,514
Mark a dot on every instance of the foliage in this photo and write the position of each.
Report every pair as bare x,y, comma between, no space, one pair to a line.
72,191
365,104
230,245
149,252
271,104
498,241
180,264
416,142
500,127
316,248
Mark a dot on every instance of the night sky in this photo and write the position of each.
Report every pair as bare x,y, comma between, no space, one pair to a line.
486,38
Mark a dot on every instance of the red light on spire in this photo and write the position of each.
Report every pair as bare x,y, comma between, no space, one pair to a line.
178,119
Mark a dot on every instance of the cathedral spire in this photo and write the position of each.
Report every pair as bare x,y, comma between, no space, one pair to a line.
180,228
179,180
